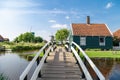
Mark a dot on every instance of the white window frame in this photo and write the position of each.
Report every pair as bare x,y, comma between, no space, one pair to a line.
83,41
102,43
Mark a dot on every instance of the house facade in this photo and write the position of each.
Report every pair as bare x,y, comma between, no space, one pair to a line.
117,35
1,39
92,35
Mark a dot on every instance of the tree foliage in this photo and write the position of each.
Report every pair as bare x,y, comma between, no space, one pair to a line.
28,37
116,41
38,39
61,34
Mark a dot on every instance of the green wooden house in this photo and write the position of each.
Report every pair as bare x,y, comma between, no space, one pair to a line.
95,36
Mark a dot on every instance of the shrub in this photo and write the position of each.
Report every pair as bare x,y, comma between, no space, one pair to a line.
26,46
2,77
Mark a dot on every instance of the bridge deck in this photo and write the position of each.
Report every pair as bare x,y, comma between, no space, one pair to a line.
61,65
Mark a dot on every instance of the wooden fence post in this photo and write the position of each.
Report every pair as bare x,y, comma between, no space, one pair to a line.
38,61
39,75
25,77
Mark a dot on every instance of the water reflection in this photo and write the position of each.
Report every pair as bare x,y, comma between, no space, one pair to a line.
13,64
110,68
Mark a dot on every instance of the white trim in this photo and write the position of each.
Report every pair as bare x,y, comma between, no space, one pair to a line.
80,41
102,44
71,28
109,30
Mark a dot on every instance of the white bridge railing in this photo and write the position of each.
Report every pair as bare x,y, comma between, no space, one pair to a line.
45,49
82,63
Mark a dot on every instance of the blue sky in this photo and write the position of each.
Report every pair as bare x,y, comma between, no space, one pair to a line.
45,17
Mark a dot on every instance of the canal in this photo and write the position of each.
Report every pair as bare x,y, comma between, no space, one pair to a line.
12,64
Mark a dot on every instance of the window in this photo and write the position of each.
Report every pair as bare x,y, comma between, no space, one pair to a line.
83,41
102,41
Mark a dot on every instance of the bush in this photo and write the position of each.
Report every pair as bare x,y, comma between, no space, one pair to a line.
2,77
26,46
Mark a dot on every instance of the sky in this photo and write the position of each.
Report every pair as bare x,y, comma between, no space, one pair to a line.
45,17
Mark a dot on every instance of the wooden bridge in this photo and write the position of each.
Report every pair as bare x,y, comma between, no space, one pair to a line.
60,64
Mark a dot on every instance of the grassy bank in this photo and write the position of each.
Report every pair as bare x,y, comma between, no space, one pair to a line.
21,46
32,55
103,54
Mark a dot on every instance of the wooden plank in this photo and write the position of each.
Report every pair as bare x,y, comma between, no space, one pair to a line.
61,76
62,67
59,79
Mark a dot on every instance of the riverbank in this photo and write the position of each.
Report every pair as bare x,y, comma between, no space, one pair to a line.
103,54
22,46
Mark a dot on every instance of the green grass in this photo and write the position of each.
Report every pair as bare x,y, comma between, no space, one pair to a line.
103,54
21,46
32,55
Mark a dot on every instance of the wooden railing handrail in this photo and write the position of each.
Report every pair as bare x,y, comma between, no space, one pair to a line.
25,72
99,74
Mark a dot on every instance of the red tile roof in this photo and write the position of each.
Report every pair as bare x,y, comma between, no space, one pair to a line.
91,30
117,33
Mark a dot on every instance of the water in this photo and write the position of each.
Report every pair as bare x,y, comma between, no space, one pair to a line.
110,68
13,64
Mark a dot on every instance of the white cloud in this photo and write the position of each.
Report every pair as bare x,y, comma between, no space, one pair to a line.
67,17
52,21
59,26
109,5
18,4
44,34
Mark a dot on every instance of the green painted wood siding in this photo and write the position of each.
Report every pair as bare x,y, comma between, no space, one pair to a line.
93,42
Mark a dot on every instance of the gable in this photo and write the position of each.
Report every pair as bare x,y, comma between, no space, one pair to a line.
117,33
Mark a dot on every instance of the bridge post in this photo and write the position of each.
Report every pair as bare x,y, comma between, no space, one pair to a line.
38,61
97,78
69,48
25,77
39,75
45,61
44,51
78,51
84,61
83,75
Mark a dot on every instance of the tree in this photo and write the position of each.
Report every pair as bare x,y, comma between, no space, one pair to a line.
61,35
116,41
38,39
26,37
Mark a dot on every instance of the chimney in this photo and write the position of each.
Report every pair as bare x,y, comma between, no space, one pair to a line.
88,19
